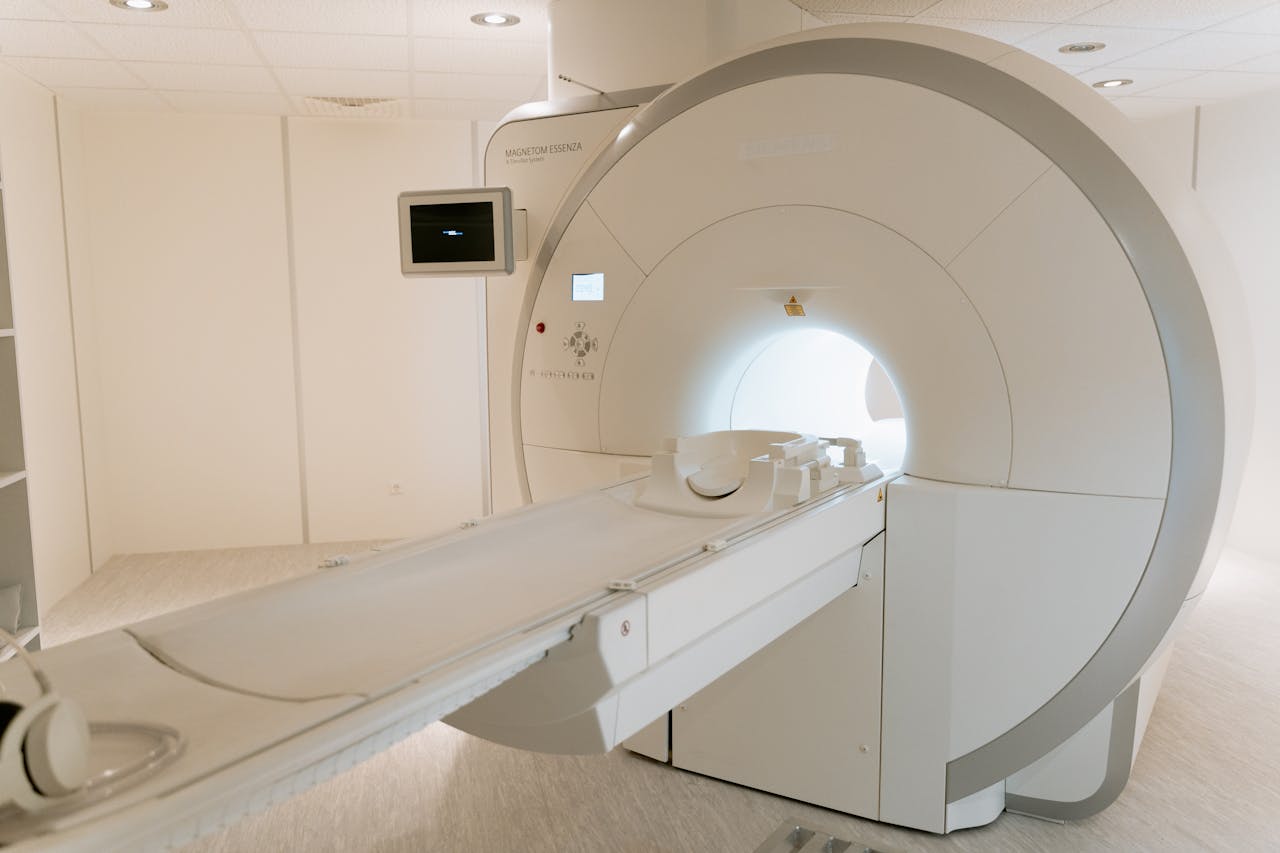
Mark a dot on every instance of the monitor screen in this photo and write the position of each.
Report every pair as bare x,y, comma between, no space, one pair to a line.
457,232
588,287
451,233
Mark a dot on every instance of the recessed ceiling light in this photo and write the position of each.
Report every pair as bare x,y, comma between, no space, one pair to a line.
141,5
495,19
1082,47
1112,84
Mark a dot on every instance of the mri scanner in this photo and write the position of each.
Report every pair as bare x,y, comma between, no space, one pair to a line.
979,627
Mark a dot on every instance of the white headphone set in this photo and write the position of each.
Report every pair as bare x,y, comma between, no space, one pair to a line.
44,746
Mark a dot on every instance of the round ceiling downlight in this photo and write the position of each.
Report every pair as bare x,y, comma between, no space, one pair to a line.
1082,47
1112,84
140,5
494,19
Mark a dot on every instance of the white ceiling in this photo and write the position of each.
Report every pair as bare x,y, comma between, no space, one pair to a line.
1179,53
429,61
269,56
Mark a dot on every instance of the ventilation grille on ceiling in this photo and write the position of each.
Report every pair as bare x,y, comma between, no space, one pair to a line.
328,105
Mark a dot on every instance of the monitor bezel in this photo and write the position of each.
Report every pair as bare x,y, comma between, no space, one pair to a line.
499,198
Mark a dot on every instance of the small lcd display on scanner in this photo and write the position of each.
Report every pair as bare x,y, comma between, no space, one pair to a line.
588,287
452,233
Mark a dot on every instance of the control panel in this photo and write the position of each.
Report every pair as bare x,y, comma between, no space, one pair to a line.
578,346
580,300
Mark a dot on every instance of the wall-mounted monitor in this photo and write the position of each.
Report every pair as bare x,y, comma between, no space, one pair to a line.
457,232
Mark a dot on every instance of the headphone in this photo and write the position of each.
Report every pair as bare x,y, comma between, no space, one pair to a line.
44,746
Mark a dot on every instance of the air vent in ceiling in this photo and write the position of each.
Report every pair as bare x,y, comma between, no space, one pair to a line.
329,105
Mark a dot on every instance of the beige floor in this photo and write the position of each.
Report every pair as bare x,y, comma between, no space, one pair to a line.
1208,776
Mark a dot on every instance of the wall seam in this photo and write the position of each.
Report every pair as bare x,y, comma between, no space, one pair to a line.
482,350
304,508
71,321
1195,150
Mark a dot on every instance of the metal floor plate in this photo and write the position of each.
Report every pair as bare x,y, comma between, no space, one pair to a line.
792,837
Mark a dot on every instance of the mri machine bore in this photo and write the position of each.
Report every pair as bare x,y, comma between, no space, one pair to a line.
983,627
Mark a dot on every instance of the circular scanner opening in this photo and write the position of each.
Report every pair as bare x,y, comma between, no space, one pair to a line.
827,384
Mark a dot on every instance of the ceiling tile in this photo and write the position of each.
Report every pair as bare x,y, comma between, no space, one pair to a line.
1262,21
1144,79
46,38
1171,14
1120,42
115,100
201,59
469,110
181,13
348,83
514,87
1009,32
184,76
1218,85
432,54
1141,108
1206,50
452,19
1269,64
27,10
480,110
832,18
476,56
865,7
244,103
379,17
379,108
1046,11
174,44
65,73
432,108
323,50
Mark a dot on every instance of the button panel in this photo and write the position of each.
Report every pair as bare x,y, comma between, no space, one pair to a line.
580,344
567,375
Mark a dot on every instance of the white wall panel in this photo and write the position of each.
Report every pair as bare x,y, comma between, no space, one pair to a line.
1238,181
390,377
42,316
191,307
97,475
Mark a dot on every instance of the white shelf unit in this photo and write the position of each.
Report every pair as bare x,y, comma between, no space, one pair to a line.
16,564
25,636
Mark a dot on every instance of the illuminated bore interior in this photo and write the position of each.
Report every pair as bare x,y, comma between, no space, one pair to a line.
824,383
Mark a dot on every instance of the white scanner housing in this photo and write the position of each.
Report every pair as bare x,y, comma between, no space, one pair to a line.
984,628
1049,309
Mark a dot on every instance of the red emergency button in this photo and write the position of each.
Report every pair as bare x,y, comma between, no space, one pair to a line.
541,327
